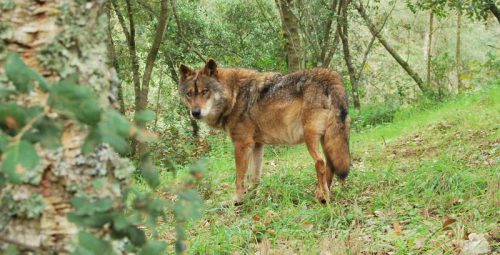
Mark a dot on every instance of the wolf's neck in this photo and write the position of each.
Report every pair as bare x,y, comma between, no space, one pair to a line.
236,77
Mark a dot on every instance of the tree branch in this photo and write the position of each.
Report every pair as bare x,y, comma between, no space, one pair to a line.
160,31
368,48
425,89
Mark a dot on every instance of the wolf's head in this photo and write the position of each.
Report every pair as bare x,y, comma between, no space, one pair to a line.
201,90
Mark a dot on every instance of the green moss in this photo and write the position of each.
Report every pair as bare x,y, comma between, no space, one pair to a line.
7,5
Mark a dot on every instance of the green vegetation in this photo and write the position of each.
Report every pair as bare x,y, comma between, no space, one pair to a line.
418,185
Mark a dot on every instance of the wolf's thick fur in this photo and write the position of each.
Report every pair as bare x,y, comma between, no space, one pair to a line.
271,108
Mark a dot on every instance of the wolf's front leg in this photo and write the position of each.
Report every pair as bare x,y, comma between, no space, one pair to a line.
242,152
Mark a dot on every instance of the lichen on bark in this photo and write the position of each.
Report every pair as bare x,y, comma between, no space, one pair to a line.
58,39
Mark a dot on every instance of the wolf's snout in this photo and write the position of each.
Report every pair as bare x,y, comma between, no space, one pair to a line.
196,112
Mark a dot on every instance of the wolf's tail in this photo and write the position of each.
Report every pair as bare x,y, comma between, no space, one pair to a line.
336,145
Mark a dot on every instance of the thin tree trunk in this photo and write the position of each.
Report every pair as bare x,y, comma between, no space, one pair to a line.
290,26
146,78
423,87
494,9
158,96
326,47
130,36
343,27
457,52
429,47
113,59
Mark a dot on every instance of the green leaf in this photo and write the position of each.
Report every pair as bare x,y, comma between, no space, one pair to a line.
18,159
89,244
113,129
91,141
96,220
189,206
47,132
11,250
149,172
12,116
78,102
153,248
4,142
136,235
120,222
84,206
5,92
144,116
21,75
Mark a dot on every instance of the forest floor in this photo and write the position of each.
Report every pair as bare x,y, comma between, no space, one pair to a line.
423,184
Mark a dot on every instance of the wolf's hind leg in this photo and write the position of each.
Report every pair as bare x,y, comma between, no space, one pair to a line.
312,140
255,173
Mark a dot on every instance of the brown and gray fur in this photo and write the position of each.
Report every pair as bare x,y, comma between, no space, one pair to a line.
255,109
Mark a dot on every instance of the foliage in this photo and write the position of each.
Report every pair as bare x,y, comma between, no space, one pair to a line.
475,9
102,220
375,114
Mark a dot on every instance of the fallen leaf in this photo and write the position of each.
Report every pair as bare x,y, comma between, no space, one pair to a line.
419,243
447,222
397,228
307,225
264,247
476,245
378,213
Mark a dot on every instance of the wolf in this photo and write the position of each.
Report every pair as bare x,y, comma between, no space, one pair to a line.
258,108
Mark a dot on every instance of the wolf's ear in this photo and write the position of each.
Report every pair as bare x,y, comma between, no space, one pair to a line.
184,72
210,68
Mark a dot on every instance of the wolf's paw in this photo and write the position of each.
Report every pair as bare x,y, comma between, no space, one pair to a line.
320,196
237,200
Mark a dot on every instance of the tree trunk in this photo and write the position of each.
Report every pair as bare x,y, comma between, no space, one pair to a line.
290,26
327,49
146,78
457,52
423,87
141,91
114,61
33,214
494,9
429,47
342,24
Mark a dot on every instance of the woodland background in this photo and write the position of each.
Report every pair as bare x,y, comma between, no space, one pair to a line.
99,154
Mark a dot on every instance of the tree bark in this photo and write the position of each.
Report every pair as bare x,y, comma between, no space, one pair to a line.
343,28
146,78
457,52
141,91
77,29
327,49
114,60
429,47
290,25
494,9
423,87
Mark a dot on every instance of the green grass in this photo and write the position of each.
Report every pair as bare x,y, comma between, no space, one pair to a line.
425,167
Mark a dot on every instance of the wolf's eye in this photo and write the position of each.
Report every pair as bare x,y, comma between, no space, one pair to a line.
189,94
204,92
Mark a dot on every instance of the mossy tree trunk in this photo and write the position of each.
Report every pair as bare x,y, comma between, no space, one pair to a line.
57,39
290,25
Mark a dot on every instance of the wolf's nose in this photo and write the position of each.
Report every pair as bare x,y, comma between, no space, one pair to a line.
196,113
